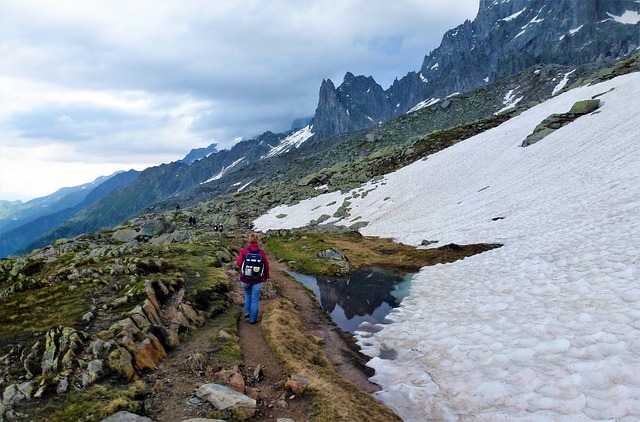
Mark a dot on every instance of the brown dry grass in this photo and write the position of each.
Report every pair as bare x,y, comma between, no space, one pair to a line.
364,252
334,398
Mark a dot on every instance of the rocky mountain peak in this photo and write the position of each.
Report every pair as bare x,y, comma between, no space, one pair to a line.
506,37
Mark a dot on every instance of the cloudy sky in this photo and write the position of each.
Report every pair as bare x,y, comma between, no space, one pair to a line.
90,87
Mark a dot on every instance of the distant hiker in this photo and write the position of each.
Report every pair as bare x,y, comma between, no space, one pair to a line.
194,222
215,227
219,227
177,207
254,270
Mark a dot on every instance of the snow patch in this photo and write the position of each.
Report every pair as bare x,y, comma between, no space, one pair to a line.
545,327
512,17
423,104
224,170
243,187
562,83
629,17
510,100
573,31
292,141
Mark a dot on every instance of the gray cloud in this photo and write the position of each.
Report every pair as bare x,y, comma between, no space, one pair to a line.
181,75
75,122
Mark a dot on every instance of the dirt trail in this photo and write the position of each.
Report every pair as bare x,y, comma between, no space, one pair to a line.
177,381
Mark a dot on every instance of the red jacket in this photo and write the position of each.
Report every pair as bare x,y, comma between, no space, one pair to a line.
253,247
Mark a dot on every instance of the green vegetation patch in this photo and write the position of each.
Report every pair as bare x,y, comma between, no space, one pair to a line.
226,349
38,310
94,404
300,250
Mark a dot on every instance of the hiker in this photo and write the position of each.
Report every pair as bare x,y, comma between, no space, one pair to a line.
254,270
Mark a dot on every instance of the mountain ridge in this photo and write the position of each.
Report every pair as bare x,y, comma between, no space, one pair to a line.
505,38
359,103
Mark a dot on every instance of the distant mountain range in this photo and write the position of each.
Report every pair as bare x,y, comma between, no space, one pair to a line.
30,220
514,53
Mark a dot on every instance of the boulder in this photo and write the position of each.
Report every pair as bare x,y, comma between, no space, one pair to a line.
32,361
237,382
93,373
556,121
15,393
156,228
297,384
121,362
585,107
332,253
225,398
124,416
170,238
124,235
336,259
148,353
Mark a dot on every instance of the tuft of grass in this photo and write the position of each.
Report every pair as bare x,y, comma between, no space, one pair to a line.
38,310
93,404
333,397
227,352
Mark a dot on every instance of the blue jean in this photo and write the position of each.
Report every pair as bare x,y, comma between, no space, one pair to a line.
251,300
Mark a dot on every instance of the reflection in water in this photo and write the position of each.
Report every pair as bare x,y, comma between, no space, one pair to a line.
365,296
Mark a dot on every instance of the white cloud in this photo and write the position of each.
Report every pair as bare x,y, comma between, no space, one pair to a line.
121,77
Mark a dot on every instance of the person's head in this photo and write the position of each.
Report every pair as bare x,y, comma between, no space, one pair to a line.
254,238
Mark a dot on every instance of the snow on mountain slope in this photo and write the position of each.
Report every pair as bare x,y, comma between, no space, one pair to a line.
546,327
294,140
223,171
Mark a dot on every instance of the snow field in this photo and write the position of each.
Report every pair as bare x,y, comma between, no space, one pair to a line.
546,327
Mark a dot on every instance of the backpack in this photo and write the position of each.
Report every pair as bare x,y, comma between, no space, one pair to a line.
253,265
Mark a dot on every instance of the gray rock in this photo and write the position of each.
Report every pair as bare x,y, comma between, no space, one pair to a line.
225,398
32,361
12,395
124,235
63,385
124,416
94,372
585,107
156,228
169,238
332,253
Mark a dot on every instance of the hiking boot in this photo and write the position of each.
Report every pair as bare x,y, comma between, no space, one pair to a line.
246,316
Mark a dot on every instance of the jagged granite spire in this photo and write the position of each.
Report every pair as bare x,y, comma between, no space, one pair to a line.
506,37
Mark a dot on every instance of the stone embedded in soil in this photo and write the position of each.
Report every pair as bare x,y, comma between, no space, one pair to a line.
225,398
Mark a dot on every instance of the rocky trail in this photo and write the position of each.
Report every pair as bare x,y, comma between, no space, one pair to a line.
187,367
